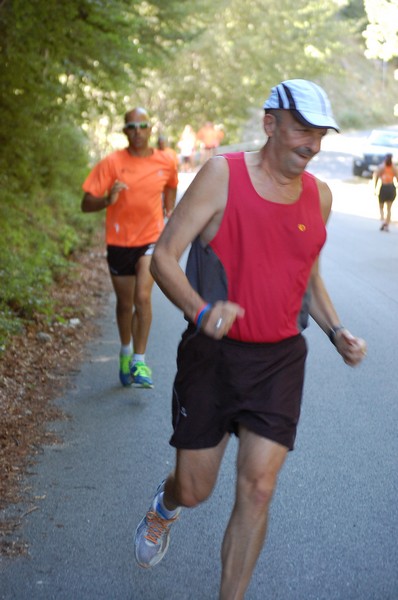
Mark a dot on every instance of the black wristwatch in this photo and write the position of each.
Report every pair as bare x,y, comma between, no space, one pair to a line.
332,333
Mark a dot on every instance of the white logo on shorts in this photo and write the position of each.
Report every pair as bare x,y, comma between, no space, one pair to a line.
150,250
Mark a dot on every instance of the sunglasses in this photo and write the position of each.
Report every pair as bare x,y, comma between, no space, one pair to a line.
137,125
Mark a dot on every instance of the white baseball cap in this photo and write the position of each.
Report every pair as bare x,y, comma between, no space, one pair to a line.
310,102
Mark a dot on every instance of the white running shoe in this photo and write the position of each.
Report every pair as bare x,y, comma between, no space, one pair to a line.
152,536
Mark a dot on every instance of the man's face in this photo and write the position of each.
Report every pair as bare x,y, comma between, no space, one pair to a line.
296,144
138,130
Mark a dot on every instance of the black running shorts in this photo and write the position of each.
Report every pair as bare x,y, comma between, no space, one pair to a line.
123,261
387,193
221,385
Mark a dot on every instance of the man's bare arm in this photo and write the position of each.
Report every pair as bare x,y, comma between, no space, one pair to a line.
92,203
198,213
322,310
169,200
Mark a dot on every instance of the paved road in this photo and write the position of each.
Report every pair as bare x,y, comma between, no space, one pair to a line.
334,526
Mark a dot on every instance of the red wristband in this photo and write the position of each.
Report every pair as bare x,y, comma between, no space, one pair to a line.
199,311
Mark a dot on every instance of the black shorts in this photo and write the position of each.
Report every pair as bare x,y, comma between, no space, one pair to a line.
387,193
123,261
223,384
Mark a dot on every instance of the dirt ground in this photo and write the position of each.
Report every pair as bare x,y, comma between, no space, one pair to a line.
34,370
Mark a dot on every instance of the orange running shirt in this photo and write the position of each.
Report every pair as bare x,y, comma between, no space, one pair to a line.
173,154
136,218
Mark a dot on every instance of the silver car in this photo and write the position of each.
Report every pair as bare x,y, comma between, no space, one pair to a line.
379,143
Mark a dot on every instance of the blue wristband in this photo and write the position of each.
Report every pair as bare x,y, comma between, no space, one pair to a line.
202,313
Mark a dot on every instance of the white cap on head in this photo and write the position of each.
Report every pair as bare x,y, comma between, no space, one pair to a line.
306,98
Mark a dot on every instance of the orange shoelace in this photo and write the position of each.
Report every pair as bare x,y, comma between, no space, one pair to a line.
156,526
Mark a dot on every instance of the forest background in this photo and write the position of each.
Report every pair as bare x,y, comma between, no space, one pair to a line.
69,70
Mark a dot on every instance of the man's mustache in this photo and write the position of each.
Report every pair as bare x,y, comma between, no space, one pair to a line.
305,151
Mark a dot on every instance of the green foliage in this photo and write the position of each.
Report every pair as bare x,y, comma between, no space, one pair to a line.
365,94
36,242
228,70
40,220
354,10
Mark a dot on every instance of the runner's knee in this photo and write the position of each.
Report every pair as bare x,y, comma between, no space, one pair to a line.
190,495
257,490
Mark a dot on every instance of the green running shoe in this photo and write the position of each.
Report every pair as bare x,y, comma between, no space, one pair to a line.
125,376
142,375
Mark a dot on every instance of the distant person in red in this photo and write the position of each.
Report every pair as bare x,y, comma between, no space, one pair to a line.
210,138
385,180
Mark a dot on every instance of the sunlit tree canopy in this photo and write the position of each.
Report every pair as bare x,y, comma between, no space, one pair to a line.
381,34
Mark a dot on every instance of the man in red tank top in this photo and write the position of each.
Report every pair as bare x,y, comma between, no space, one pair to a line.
235,377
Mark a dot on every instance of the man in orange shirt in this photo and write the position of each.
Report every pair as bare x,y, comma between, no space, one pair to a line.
137,187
